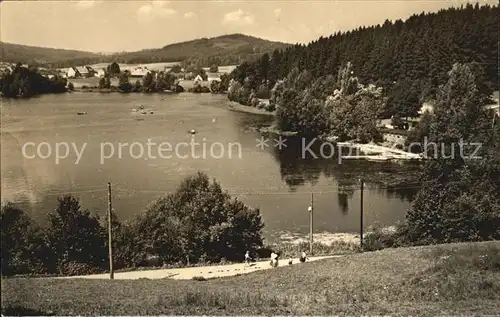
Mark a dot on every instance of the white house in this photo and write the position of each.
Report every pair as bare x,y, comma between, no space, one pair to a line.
73,72
213,77
426,107
139,72
100,72
198,79
395,135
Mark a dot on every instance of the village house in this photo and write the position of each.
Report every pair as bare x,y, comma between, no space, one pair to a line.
83,71
426,107
100,73
197,79
395,136
80,71
213,77
73,73
139,72
5,68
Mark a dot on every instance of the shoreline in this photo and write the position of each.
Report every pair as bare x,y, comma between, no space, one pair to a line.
234,106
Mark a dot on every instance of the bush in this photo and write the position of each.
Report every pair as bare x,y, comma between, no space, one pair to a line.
199,221
215,87
74,235
78,268
379,239
199,278
199,89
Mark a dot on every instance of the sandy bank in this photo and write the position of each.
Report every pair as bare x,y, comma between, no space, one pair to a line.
234,106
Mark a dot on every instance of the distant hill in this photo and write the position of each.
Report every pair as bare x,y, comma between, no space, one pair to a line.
222,50
45,56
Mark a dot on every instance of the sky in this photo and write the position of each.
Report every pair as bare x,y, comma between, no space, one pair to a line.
115,26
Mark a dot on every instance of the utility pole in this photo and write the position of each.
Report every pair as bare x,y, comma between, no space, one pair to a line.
361,216
311,225
110,239
494,118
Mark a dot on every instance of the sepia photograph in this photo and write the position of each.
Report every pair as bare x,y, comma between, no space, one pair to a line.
250,158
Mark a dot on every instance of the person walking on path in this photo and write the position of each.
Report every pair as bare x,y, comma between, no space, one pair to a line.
303,257
248,259
274,259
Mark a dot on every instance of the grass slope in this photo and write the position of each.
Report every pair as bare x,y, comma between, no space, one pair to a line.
446,280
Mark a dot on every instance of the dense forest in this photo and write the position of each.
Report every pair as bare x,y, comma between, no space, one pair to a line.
408,59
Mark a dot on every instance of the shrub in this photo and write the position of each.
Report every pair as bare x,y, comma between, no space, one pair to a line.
199,221
215,87
78,268
23,247
74,235
378,239
199,278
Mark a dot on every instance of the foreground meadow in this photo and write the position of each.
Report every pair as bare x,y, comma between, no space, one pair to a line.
446,279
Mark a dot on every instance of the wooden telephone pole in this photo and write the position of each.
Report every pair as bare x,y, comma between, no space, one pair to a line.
311,208
361,216
110,239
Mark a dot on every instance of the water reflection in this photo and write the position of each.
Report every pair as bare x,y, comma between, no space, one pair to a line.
299,167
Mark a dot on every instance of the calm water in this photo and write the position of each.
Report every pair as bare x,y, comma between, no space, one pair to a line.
278,182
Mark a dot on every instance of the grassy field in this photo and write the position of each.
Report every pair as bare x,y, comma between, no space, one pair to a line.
455,279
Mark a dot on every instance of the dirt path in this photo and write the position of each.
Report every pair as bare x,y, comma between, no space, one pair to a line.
205,271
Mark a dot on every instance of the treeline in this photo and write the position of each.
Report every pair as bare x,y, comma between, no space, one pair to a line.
27,82
151,82
200,222
408,59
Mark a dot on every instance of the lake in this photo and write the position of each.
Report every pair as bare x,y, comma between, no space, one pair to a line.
279,182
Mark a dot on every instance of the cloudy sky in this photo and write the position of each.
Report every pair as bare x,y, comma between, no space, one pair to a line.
111,26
